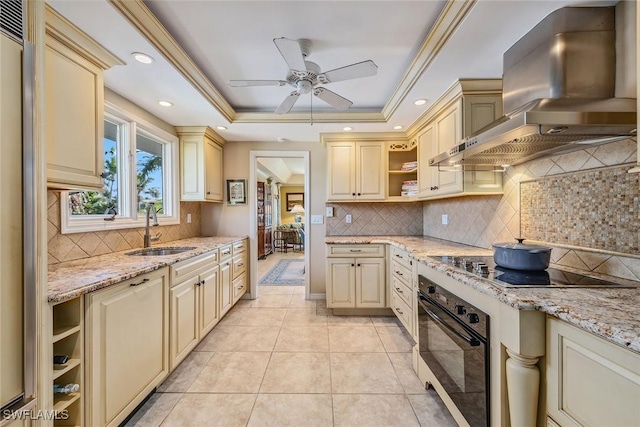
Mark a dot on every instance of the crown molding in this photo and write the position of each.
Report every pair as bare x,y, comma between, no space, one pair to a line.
136,12
318,117
454,12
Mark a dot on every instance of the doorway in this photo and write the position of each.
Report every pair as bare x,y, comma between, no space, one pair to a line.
272,164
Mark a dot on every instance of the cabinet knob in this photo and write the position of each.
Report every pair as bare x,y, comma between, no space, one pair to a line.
353,194
359,194
353,265
208,192
359,265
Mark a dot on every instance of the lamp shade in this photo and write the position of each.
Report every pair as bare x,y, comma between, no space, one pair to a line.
297,209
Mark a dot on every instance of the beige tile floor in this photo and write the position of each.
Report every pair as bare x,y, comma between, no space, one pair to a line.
282,361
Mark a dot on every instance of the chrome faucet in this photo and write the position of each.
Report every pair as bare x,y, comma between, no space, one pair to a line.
150,210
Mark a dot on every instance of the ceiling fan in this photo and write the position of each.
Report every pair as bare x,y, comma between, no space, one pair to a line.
305,76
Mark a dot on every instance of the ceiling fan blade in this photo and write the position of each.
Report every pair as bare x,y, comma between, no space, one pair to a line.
332,98
353,71
288,102
291,52
247,83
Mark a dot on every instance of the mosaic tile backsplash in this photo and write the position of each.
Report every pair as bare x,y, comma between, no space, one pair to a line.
598,209
368,219
69,247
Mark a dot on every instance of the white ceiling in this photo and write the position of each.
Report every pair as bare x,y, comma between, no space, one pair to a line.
233,40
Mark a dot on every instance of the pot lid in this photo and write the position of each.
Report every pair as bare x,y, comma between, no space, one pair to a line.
522,246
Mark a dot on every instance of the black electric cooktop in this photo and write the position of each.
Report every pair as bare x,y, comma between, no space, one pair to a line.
485,267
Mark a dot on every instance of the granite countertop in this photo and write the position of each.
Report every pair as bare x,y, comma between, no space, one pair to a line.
608,313
71,279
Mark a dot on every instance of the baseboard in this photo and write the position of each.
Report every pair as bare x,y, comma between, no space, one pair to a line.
363,312
317,296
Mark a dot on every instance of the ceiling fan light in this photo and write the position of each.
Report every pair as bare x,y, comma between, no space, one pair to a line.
143,58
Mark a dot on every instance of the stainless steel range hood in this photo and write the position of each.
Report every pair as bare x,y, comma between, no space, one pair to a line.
558,86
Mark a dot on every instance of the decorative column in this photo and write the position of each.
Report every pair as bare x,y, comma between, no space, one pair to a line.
523,384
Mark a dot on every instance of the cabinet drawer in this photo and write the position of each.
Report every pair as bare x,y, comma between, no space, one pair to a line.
239,247
401,257
225,252
239,286
182,270
402,289
357,250
402,310
239,265
401,272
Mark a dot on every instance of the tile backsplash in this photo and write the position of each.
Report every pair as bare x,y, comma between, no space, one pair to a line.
69,247
595,179
368,219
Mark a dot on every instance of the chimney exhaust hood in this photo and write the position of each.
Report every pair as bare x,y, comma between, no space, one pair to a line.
558,86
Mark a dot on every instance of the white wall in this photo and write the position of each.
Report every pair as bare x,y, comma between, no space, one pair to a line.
223,220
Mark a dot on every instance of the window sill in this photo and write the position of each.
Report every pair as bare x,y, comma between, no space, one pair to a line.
99,224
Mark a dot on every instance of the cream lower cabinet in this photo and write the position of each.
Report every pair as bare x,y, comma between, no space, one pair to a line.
590,382
194,309
127,345
201,164
226,283
356,282
403,276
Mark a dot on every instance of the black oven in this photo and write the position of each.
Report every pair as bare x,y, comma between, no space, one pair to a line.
453,338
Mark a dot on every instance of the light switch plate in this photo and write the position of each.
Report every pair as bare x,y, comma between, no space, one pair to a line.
329,211
188,218
348,219
445,219
317,219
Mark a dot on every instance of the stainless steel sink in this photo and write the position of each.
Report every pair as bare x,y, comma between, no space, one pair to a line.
161,251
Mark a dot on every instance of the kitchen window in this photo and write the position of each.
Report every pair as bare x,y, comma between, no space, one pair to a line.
140,168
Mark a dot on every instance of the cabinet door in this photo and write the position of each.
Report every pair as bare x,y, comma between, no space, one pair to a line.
427,175
226,293
341,171
448,134
209,284
370,283
213,171
341,279
191,167
184,319
370,169
479,112
74,99
590,382
127,346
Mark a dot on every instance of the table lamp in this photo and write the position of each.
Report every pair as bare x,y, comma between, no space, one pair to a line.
297,210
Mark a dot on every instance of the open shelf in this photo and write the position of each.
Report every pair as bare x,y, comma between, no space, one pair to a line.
60,370
63,331
397,157
63,401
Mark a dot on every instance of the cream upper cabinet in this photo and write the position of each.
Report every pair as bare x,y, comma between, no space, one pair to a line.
127,345
201,164
74,104
355,170
467,107
590,382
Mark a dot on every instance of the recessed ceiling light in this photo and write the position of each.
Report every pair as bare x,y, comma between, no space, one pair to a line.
420,102
221,127
398,127
142,58
165,103
347,128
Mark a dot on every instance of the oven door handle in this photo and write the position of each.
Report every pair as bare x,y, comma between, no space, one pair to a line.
471,340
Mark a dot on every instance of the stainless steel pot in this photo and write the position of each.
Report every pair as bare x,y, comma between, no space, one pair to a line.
520,256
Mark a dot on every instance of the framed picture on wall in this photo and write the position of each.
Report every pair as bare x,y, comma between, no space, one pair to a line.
294,199
236,192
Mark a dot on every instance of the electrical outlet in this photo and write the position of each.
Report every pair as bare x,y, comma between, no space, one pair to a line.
188,218
348,219
445,219
329,211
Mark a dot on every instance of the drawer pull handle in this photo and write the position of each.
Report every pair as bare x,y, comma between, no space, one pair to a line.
198,283
355,250
399,274
240,287
140,283
241,264
399,291
399,256
239,247
226,252
399,311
